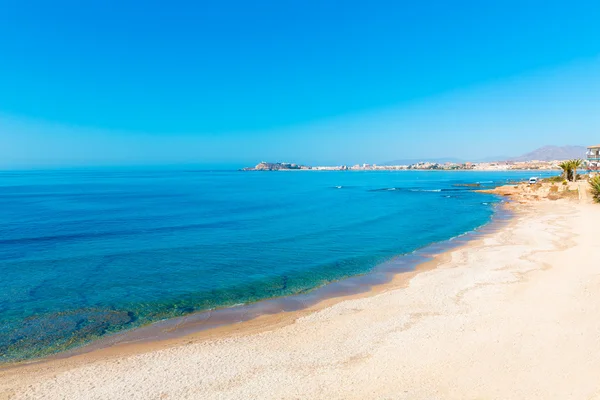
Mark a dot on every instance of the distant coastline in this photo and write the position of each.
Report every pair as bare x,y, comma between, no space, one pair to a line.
424,165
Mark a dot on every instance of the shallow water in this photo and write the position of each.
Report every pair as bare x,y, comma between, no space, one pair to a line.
87,253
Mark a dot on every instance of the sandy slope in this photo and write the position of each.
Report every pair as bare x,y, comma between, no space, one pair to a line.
514,316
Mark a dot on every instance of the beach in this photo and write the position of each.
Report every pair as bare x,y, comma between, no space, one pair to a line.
512,315
287,200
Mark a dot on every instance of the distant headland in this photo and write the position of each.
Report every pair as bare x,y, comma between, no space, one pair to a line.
267,166
544,158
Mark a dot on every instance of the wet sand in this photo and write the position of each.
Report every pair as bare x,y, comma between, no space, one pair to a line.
511,315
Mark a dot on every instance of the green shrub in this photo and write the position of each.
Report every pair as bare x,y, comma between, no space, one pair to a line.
556,179
595,184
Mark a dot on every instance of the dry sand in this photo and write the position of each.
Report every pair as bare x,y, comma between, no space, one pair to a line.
515,315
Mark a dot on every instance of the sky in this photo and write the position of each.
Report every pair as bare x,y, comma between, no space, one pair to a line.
232,83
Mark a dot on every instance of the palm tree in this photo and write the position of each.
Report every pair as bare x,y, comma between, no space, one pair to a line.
570,168
576,163
566,167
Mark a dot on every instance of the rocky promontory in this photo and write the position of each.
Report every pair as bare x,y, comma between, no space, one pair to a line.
266,166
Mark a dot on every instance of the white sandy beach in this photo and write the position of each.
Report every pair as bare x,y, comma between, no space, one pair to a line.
513,316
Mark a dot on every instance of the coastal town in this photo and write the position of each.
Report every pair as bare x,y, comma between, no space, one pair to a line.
449,166
589,156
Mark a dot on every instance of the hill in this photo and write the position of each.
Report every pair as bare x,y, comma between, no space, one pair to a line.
545,153
550,153
409,161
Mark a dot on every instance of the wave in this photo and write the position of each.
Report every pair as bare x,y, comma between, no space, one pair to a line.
385,189
457,190
419,190
392,189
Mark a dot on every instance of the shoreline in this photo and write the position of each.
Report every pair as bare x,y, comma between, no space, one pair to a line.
503,316
278,311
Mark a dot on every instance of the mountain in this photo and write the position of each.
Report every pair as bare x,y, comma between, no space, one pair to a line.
409,161
443,160
546,153
550,153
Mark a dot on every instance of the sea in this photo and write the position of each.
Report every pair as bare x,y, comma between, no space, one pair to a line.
85,254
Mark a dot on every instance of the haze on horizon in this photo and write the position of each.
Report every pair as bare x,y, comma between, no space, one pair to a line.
234,83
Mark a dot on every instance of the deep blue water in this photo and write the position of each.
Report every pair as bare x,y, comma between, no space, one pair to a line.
86,253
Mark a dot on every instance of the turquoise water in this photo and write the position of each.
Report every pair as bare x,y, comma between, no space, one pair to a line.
87,253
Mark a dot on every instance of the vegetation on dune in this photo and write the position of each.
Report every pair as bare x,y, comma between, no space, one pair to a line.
595,184
556,179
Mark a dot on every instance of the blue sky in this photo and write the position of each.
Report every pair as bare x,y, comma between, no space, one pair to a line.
234,83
